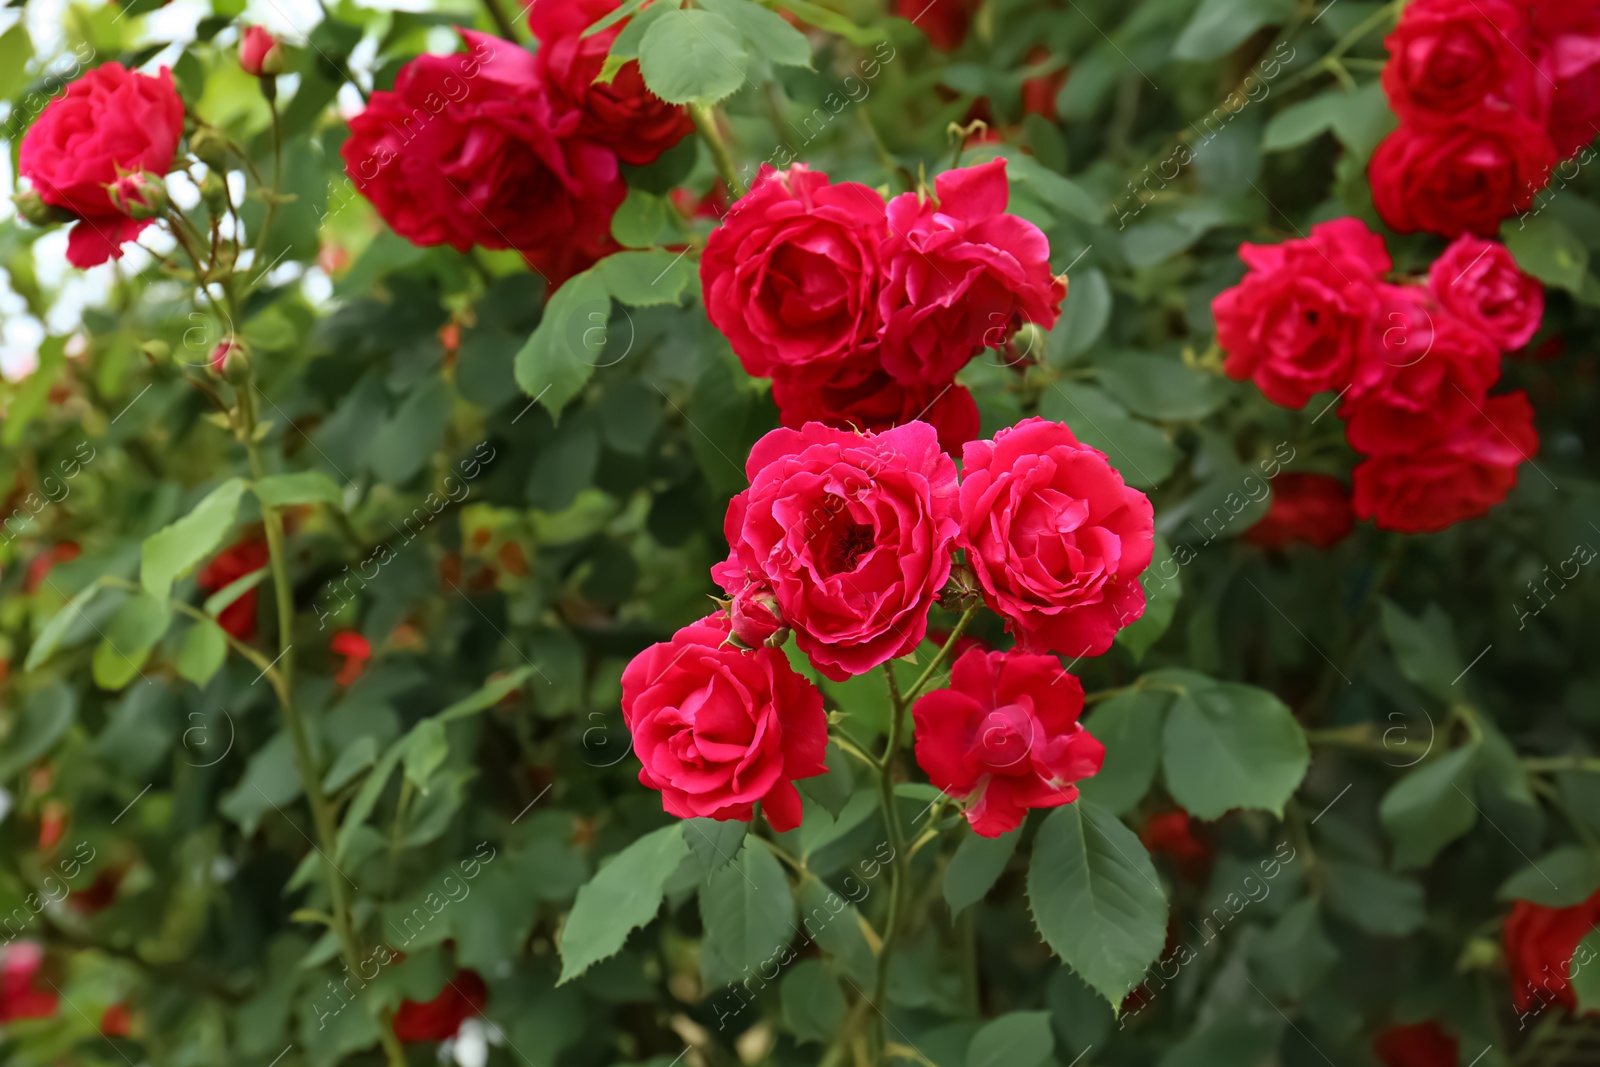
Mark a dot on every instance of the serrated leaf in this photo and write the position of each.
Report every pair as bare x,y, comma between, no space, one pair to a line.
1127,725
303,487
205,649
625,894
813,1003
561,355
1231,746
1430,807
748,912
975,867
1020,1039
767,34
714,842
1094,897
693,57
175,550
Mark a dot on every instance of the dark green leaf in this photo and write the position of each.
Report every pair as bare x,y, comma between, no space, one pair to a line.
561,355
976,866
1430,807
1020,1039
624,895
1127,725
46,716
1231,746
748,912
813,1003
1559,879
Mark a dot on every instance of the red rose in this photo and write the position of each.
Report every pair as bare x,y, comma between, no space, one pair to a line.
1424,374
246,557
1055,538
1480,283
1571,60
259,52
1005,737
791,276
1314,508
1460,176
470,150
623,115
355,649
1459,478
1447,57
719,728
438,1019
1039,93
1424,1044
23,993
1540,943
860,395
946,22
110,122
1172,833
756,619
960,275
852,532
1295,322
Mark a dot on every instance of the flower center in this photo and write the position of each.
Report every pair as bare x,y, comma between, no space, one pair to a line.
846,543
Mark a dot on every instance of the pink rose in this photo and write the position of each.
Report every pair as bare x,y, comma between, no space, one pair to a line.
791,276
1297,320
621,114
1055,537
110,122
259,52
852,532
1005,737
720,728
1424,373
469,150
960,275
1480,283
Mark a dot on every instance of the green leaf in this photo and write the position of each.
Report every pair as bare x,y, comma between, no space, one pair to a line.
642,220
1140,452
1219,25
1546,248
205,648
1585,973
767,34
1424,648
34,732
1301,122
33,394
1094,898
625,894
55,630
304,487
1020,1039
174,551
1226,1043
1360,119
270,781
1161,596
561,355
714,842
645,279
16,48
834,924
976,866
1231,746
1375,901
626,47
1161,388
1430,807
1558,879
139,622
357,756
414,433
425,750
218,602
1127,725
611,18
813,1004
1295,955
693,57
831,21
1084,316
748,912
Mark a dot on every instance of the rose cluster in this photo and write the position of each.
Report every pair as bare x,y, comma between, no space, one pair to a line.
501,148
862,313
847,538
1413,363
1491,95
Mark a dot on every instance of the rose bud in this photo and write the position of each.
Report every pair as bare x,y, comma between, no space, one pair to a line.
34,211
228,359
757,621
260,53
139,195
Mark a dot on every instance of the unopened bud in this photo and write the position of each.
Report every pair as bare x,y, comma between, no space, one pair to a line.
962,591
140,195
214,191
757,620
260,53
209,147
228,360
34,211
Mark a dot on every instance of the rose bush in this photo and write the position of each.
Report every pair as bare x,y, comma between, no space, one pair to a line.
856,532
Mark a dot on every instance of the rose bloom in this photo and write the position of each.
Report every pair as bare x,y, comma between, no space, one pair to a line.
110,122
1056,539
1571,60
719,728
1005,737
1460,478
961,275
1424,374
1314,508
1540,944
1480,283
852,532
462,997
860,395
245,557
469,149
23,991
791,276
1465,175
622,115
1449,56
1039,93
1294,324
946,22
1425,1044
1171,833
